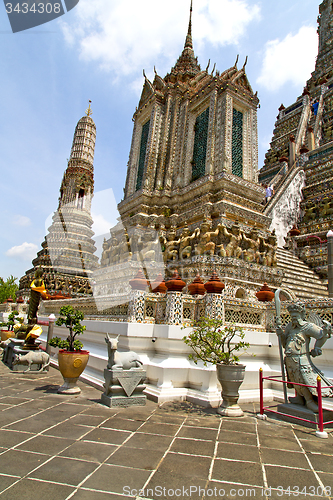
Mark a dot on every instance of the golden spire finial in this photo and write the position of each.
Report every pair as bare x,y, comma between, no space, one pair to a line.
89,111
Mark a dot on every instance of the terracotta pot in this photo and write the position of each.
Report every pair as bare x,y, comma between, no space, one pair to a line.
139,282
294,231
159,286
197,287
214,284
71,365
230,378
176,284
265,294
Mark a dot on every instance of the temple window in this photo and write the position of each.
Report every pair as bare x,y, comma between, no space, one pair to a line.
200,145
142,156
80,199
237,143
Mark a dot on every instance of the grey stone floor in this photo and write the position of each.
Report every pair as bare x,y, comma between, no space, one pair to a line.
57,447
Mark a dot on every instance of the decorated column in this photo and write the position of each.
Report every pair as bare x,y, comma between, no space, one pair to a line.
174,305
136,308
214,305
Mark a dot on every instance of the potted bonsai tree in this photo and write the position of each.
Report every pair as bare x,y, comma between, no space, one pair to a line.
7,334
213,343
72,359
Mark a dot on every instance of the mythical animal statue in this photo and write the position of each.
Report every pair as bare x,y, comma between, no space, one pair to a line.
32,357
120,360
296,340
185,245
252,253
205,246
235,236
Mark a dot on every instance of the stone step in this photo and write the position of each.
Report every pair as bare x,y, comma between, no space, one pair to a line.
298,277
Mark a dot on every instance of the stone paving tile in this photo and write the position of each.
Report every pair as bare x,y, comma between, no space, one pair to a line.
6,481
229,490
327,480
236,425
149,442
8,439
82,494
27,489
238,452
100,411
161,429
281,476
134,457
321,463
266,428
166,419
20,463
121,424
85,450
318,446
46,444
239,472
13,401
193,447
17,413
198,433
64,470
190,466
87,420
237,437
114,479
288,458
108,436
287,495
169,486
212,423
274,442
67,430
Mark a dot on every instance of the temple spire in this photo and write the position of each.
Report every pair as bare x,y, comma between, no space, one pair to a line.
188,41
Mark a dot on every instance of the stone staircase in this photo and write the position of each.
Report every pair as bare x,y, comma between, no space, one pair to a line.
298,277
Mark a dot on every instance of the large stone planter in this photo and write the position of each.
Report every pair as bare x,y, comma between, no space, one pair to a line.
230,378
71,365
6,334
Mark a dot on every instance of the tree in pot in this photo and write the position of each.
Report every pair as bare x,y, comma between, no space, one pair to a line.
11,322
72,360
213,343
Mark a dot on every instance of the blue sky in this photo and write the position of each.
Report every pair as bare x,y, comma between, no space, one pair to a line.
97,51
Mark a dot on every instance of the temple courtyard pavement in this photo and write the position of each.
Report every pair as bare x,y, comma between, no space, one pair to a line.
57,447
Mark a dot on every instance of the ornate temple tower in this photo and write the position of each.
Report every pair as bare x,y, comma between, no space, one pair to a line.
192,178
67,257
303,142
195,132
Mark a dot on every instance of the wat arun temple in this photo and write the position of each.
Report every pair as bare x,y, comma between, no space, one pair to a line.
194,199
196,235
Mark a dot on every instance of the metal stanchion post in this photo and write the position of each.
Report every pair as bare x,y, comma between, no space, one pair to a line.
330,262
52,319
320,433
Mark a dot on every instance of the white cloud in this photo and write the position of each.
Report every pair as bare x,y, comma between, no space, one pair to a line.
289,60
124,36
21,220
26,251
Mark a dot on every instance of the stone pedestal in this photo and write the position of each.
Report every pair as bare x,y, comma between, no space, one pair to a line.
214,306
136,308
16,347
124,388
291,410
174,308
